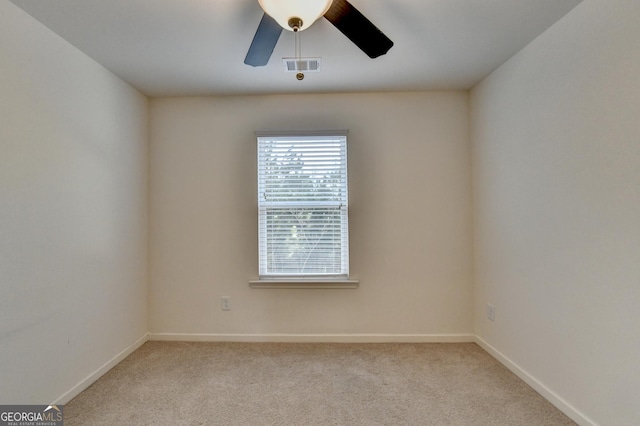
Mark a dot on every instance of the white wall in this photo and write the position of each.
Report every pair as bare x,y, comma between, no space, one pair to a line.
73,213
556,172
410,216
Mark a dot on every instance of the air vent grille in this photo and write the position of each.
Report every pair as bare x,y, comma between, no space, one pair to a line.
301,64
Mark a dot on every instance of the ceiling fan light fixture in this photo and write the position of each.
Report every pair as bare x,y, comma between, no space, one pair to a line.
307,11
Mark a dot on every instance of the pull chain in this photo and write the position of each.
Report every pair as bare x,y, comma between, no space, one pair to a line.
298,49
296,24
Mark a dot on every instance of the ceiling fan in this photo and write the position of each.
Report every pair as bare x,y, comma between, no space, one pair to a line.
298,15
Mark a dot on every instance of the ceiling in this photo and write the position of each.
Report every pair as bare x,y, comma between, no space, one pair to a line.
197,47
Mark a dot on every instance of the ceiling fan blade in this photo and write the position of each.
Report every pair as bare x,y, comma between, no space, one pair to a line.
264,41
358,28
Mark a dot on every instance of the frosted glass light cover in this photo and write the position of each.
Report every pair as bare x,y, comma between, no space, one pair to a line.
307,10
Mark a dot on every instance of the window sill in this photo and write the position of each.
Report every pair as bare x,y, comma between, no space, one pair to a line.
305,283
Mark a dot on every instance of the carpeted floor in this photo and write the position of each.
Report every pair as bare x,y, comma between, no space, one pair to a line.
177,383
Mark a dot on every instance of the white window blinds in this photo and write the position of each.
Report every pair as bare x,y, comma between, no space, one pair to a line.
302,206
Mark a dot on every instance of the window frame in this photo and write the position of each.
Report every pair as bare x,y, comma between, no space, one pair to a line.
303,280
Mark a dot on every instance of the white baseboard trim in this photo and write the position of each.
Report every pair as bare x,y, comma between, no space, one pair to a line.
315,338
89,380
538,386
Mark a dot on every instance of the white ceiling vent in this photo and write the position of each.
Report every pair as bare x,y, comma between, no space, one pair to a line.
301,64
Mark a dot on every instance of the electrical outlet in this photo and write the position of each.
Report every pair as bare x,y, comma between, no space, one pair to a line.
225,303
491,312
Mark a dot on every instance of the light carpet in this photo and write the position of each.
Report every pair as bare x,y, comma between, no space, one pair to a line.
178,383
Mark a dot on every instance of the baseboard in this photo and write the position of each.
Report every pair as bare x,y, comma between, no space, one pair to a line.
88,381
538,386
315,338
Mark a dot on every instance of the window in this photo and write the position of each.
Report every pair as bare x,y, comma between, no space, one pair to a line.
303,228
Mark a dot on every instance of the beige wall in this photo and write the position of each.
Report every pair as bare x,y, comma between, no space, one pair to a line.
554,159
410,216
73,214
556,172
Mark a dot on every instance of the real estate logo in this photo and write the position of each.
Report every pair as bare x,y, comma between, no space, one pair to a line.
31,415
